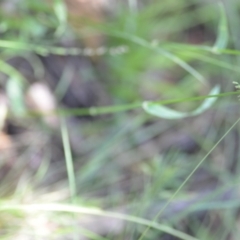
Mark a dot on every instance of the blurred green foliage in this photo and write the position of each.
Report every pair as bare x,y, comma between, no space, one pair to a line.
131,160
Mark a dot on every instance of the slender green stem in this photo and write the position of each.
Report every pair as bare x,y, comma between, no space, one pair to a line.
68,159
43,50
94,111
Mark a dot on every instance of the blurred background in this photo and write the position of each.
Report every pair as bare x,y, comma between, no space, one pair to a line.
118,162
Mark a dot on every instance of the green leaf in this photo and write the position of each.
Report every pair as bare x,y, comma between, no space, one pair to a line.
223,34
163,112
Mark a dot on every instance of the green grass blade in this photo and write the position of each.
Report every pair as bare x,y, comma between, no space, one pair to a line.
95,212
223,35
161,51
12,72
167,113
74,51
95,111
68,159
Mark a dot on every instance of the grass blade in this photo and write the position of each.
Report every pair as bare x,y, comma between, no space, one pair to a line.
69,160
161,51
167,113
96,212
223,35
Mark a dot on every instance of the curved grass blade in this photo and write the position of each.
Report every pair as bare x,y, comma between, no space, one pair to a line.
161,51
197,54
96,212
14,88
167,113
11,72
223,35
95,111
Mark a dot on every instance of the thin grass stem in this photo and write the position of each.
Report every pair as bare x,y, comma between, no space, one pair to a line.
68,159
